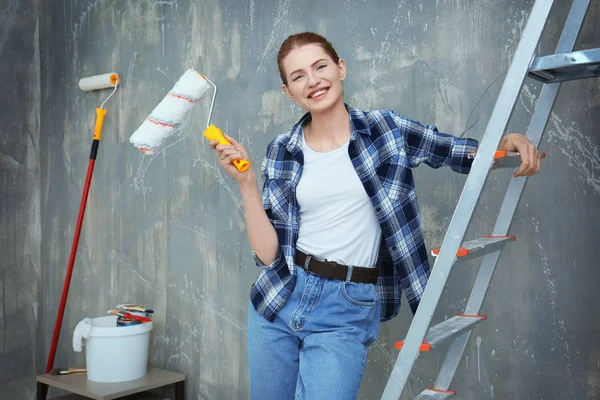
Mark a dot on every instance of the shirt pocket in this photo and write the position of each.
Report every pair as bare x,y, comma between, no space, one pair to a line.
390,149
392,168
388,164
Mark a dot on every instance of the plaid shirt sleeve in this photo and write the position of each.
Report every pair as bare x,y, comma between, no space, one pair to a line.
266,198
425,144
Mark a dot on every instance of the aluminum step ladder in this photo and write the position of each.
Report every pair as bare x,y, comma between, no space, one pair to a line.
551,70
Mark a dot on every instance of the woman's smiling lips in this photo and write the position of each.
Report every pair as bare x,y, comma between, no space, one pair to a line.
316,94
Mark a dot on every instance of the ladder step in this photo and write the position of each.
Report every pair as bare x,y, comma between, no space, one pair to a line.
447,330
435,394
479,247
567,66
506,159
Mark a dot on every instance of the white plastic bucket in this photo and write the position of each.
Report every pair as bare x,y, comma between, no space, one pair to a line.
116,354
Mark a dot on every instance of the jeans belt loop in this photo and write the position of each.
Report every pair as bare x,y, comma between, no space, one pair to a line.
308,257
349,273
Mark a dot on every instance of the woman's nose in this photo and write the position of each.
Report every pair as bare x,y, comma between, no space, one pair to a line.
313,79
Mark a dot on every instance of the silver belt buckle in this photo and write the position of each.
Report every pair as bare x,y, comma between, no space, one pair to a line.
349,273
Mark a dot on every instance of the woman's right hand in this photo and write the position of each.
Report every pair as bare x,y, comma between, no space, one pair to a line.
228,153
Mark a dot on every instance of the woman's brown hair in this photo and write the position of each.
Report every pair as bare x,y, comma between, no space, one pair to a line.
299,40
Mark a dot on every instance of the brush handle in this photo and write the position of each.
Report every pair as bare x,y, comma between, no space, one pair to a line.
129,315
74,370
131,308
137,317
138,309
66,371
214,133
100,114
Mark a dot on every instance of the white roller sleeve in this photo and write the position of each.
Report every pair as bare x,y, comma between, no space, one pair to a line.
98,82
170,112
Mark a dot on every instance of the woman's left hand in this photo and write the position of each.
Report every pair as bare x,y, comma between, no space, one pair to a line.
530,157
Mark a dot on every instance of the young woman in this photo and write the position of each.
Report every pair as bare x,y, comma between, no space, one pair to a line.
336,231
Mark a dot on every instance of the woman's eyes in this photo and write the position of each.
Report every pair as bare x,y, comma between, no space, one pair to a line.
320,67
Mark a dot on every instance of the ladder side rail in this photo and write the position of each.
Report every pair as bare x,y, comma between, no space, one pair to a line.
510,203
469,197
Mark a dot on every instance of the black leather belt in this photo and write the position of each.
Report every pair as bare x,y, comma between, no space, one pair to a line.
333,270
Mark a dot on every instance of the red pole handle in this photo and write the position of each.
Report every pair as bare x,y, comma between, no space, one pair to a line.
100,113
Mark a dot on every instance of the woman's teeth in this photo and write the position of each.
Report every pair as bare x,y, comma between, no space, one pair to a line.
317,94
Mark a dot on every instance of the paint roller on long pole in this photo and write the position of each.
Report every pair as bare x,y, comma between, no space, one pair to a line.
98,82
167,116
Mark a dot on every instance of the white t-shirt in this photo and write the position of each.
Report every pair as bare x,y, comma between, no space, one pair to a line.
337,219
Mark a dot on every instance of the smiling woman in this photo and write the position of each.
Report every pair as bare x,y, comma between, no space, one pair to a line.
336,231
315,83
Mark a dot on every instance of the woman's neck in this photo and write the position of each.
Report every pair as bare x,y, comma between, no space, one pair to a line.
328,130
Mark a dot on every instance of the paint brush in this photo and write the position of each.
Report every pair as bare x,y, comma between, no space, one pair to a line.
66,371
128,315
134,307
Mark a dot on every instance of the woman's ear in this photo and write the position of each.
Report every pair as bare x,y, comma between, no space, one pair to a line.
342,69
287,92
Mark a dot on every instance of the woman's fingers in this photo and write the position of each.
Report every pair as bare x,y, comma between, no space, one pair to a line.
226,152
531,162
228,155
533,154
231,158
237,145
232,140
525,164
227,149
213,144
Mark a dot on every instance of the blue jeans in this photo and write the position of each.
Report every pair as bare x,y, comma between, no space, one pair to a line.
316,348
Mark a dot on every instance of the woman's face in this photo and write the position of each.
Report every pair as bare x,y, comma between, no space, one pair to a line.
314,81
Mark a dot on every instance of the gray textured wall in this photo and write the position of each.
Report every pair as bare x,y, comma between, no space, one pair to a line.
167,231
20,208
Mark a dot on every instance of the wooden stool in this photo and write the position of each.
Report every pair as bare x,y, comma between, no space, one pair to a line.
78,383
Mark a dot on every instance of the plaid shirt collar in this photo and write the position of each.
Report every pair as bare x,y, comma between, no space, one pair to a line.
358,125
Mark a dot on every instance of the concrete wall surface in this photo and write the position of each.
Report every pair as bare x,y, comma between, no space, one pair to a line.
21,285
168,230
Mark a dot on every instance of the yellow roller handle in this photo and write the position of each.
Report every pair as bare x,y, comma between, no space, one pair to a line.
100,113
214,133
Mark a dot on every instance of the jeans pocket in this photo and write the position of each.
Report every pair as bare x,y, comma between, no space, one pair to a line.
360,294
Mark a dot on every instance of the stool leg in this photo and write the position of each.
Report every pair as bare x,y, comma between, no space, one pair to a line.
42,389
180,390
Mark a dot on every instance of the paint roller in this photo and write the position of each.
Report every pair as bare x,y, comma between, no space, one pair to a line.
97,82
167,116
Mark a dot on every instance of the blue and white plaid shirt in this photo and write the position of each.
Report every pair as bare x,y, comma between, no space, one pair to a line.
383,147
